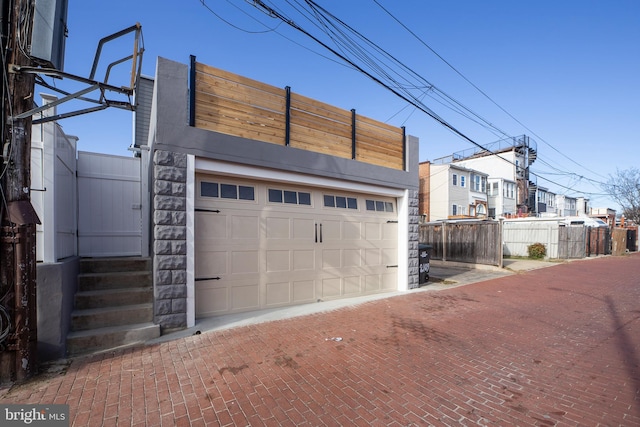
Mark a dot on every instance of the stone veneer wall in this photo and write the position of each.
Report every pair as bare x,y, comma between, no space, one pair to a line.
170,239
414,238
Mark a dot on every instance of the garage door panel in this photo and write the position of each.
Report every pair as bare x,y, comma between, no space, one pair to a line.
389,256
304,291
372,283
331,258
352,230
390,231
390,280
244,227
372,231
278,261
330,230
216,264
352,257
304,229
278,228
212,225
372,257
211,300
331,288
352,285
304,260
278,293
243,262
244,298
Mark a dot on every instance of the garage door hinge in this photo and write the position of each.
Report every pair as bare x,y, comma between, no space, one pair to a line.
392,222
206,210
199,279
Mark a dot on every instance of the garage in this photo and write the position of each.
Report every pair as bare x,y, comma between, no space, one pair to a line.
261,197
270,243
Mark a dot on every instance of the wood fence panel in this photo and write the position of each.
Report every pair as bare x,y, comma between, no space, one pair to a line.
235,105
598,241
619,241
475,242
431,234
571,242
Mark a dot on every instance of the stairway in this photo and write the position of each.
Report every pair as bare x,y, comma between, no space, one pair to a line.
113,305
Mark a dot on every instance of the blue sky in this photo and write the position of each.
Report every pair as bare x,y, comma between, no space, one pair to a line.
566,73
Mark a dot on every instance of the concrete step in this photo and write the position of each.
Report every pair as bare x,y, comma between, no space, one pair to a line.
113,297
107,265
107,338
114,280
93,318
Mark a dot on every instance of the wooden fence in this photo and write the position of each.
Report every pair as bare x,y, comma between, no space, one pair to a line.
234,105
598,241
485,242
477,242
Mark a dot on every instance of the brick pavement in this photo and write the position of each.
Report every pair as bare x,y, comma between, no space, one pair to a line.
559,346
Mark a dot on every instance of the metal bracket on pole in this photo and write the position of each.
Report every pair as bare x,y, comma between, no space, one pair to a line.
103,103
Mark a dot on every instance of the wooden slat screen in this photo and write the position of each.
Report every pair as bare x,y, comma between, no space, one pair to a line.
235,105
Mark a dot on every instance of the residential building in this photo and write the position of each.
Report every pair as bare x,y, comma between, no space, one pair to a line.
543,201
605,214
566,205
582,206
508,160
456,192
501,197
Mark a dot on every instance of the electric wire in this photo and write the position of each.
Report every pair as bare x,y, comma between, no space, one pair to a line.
538,137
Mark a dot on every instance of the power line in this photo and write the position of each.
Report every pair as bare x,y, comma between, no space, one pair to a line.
538,137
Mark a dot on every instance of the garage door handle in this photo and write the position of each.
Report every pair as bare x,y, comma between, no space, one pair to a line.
392,266
320,232
199,279
316,232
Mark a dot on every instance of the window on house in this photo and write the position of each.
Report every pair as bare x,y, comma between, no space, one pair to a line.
454,210
462,179
454,179
494,189
479,183
509,190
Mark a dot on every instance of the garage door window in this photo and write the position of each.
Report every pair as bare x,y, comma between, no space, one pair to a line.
226,191
379,206
331,201
290,197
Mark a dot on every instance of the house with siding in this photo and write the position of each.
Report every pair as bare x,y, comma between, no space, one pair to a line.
501,195
455,192
505,161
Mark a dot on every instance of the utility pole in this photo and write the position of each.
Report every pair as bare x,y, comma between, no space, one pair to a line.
17,243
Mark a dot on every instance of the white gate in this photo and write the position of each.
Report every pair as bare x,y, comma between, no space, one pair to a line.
109,205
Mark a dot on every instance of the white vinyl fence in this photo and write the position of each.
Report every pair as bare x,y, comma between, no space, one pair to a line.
53,191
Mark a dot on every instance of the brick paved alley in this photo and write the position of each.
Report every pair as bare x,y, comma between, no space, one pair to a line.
558,346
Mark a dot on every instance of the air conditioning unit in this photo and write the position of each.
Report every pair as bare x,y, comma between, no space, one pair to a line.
49,33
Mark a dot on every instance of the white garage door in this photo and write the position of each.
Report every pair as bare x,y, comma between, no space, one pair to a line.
260,245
